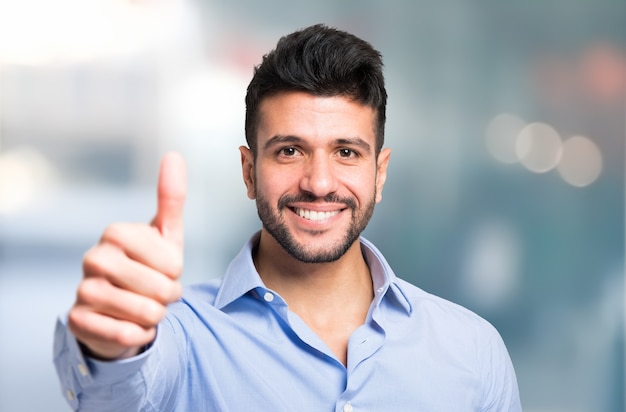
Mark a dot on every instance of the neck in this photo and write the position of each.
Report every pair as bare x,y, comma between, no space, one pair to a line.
331,298
310,284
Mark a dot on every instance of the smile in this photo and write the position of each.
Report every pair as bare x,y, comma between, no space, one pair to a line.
314,215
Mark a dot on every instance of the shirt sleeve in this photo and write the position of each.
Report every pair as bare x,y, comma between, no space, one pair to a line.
92,385
501,391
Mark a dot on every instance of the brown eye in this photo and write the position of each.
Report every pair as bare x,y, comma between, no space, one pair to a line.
288,151
346,153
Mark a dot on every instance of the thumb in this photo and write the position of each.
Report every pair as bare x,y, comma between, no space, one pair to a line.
171,193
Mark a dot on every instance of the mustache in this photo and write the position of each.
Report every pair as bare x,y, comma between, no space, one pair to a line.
306,197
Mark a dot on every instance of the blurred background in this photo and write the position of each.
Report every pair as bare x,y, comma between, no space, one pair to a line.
505,192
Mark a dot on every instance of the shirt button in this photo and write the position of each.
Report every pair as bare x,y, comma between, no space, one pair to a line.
83,369
70,395
380,290
268,296
347,407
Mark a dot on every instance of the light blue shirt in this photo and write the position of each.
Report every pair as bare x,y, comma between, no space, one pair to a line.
231,344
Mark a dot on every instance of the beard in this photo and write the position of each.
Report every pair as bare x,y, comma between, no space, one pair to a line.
273,222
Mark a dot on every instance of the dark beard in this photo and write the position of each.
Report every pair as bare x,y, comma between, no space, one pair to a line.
275,226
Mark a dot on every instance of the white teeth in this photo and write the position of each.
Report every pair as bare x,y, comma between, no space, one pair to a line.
313,215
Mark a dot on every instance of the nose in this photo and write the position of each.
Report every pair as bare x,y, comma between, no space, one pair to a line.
319,177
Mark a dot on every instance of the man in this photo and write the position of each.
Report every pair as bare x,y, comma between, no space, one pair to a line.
309,316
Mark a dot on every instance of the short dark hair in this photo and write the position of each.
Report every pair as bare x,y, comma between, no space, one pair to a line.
322,61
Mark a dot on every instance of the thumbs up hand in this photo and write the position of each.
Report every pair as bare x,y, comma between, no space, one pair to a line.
132,274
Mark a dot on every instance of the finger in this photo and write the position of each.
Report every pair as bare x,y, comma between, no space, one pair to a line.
106,337
126,273
139,242
102,297
171,194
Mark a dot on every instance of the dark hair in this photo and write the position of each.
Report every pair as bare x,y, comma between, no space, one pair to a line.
322,61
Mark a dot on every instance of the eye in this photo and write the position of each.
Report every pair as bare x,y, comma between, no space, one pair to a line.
347,153
288,151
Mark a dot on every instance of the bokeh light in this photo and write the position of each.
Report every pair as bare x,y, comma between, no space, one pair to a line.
581,163
491,269
24,173
539,147
501,137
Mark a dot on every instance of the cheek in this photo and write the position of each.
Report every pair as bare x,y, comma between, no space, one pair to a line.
362,185
273,184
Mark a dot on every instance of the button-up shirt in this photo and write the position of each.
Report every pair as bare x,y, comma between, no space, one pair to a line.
232,344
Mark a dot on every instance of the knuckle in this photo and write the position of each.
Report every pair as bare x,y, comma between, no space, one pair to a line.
177,265
89,258
103,260
163,294
93,262
151,312
174,263
75,320
171,292
177,292
113,233
160,295
126,335
87,291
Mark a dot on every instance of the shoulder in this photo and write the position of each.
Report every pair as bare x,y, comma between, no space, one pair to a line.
440,313
454,331
196,298
453,335
204,290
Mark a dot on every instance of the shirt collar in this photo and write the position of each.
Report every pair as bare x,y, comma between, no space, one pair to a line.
384,280
241,276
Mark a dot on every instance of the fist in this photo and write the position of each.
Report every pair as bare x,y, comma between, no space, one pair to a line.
132,274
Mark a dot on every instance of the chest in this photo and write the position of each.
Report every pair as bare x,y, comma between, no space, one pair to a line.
238,363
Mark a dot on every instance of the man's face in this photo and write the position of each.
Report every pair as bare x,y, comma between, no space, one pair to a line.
316,177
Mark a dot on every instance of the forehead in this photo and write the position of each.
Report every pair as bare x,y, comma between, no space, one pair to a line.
315,118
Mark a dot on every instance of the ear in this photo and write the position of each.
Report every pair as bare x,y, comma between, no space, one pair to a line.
247,169
381,172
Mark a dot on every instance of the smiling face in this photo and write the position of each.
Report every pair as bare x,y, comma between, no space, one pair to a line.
316,176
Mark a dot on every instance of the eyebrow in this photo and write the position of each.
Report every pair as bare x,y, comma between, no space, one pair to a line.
279,139
354,141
